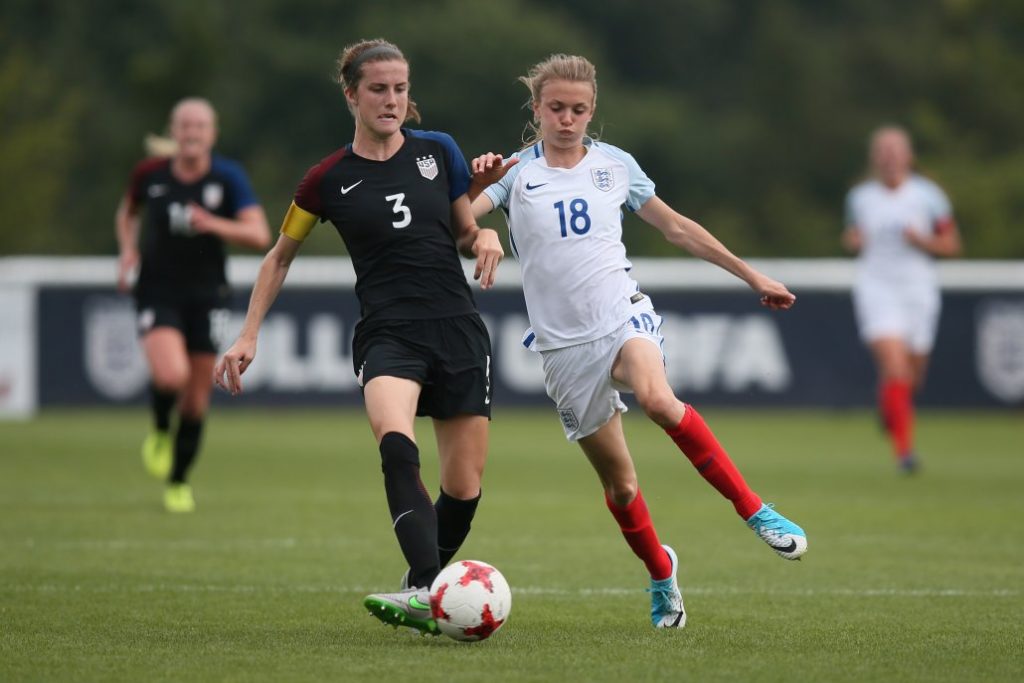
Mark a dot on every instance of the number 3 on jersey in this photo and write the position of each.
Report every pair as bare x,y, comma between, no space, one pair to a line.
401,209
579,219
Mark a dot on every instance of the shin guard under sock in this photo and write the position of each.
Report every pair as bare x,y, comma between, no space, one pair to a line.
635,523
700,446
412,512
186,447
161,403
454,519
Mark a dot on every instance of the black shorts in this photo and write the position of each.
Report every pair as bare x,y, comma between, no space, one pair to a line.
449,357
200,317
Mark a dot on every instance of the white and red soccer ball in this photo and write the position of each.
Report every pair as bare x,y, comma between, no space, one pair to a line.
470,600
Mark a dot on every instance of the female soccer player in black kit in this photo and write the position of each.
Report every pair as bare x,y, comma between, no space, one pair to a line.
195,202
398,197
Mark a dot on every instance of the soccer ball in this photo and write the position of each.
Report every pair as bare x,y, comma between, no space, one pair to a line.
470,600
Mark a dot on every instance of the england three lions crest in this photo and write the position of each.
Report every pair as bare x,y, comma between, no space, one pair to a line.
1000,349
604,179
427,166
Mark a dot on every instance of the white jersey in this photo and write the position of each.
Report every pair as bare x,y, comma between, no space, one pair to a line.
565,227
882,214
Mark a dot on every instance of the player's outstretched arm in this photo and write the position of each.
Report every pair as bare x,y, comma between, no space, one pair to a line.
692,237
473,241
487,169
228,371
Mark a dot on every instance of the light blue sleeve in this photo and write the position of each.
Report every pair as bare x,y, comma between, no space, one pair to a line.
500,191
850,209
641,188
938,203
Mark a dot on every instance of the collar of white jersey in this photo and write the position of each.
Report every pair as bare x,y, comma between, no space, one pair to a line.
538,147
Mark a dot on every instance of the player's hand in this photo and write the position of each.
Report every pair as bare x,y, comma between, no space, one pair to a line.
228,371
126,264
490,168
774,294
916,239
201,220
488,252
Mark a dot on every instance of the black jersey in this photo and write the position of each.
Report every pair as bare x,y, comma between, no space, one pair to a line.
395,219
175,259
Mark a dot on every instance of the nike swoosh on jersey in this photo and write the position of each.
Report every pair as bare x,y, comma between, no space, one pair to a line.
346,190
534,187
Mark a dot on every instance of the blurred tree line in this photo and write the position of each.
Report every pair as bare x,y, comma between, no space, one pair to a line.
751,117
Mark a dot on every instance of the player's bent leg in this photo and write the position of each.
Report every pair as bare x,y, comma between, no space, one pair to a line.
167,357
195,402
391,405
607,451
640,365
895,395
462,443
699,444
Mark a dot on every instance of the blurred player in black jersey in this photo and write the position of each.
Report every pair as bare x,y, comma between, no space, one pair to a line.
398,197
195,202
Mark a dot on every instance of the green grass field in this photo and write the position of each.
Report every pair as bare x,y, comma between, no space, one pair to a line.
906,579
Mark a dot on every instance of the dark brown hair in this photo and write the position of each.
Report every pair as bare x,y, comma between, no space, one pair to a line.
353,57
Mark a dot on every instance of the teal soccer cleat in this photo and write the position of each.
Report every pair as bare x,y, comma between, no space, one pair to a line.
666,601
781,535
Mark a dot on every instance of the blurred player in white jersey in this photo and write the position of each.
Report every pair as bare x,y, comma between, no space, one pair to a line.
597,332
898,221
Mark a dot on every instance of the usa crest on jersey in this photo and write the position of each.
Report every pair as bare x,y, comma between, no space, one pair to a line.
213,195
427,166
604,179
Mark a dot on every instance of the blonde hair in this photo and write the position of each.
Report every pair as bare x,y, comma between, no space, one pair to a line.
353,57
890,129
557,67
186,101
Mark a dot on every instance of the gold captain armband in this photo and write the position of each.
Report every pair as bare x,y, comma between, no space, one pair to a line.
298,223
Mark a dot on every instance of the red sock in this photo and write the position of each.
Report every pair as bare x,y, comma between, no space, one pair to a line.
697,443
636,525
898,411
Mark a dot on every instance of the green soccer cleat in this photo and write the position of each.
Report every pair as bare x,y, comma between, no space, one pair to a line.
410,607
178,498
157,454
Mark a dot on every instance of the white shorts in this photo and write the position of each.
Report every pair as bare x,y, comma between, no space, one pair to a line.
579,378
910,313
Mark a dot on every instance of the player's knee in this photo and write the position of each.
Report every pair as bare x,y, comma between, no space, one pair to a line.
622,493
661,405
170,379
398,452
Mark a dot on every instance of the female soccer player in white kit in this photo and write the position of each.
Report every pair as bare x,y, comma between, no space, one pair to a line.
897,221
596,331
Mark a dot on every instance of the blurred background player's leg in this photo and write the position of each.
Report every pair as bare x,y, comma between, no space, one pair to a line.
165,352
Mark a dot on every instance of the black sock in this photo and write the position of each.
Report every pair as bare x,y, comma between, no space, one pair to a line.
186,446
454,518
162,402
412,513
